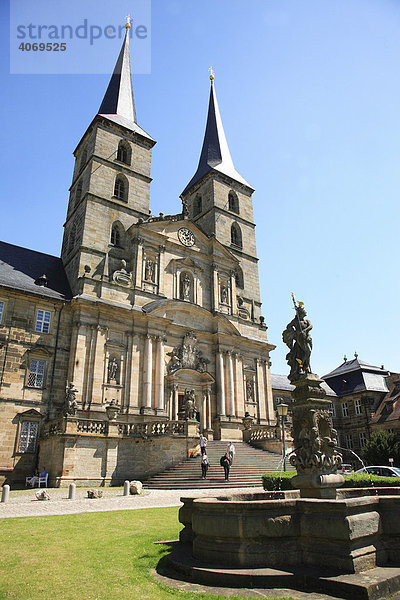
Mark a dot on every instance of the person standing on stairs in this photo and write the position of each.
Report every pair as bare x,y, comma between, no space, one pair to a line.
231,452
204,466
226,463
203,444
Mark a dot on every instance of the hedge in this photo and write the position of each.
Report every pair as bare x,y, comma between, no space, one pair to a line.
281,481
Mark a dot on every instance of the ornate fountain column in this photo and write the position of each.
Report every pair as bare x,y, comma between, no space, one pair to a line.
316,458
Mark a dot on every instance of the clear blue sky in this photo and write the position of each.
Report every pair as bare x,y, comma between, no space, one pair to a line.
309,93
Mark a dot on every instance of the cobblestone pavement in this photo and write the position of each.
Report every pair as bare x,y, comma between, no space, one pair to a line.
24,504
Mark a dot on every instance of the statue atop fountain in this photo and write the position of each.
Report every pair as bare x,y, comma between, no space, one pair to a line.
315,440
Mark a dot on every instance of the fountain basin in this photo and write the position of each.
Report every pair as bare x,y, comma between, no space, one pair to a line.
350,534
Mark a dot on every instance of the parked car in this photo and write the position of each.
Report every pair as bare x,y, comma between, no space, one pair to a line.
381,471
347,469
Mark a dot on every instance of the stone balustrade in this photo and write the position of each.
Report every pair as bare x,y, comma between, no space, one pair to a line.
92,426
100,427
264,432
153,428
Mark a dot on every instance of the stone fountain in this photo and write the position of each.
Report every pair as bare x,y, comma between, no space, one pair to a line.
317,537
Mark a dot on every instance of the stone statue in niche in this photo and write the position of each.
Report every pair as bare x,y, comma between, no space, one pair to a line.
224,294
249,390
187,356
189,405
71,404
113,370
186,285
150,270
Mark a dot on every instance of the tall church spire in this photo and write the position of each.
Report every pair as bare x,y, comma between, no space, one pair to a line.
215,152
118,103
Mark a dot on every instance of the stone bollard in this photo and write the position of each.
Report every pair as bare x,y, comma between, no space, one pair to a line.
72,491
5,494
127,483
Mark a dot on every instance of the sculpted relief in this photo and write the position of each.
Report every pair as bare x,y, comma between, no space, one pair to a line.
187,356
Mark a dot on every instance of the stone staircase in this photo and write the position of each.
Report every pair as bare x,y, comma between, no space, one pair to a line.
248,467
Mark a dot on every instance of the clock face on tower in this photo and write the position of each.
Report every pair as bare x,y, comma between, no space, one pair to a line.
185,236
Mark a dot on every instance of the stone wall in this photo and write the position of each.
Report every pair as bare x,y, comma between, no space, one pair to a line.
102,460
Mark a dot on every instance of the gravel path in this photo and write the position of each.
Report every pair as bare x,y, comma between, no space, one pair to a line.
24,504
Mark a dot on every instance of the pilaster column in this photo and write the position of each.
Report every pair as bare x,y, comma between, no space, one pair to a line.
215,287
203,411
89,366
147,371
101,334
139,262
126,390
260,389
233,294
161,267
208,409
231,385
160,373
220,384
269,399
77,358
175,402
239,385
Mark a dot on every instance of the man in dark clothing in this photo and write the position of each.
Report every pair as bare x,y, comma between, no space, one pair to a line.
226,463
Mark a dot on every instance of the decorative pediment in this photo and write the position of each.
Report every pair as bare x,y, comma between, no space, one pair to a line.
185,263
32,412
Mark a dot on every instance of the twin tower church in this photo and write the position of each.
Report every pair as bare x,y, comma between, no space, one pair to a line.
147,329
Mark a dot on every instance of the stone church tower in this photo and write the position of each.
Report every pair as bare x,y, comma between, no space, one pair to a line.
166,305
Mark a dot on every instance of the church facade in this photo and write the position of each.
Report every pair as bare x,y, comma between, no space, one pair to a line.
148,329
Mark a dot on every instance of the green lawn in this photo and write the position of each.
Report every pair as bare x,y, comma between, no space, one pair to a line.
91,556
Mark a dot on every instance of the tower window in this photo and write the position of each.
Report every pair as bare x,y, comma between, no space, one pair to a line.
197,206
115,235
124,152
78,193
236,235
121,188
233,202
72,238
239,278
83,159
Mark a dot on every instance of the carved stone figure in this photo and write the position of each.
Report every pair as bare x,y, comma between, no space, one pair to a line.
150,270
316,441
71,404
224,294
187,356
249,390
122,275
189,405
185,287
297,337
113,370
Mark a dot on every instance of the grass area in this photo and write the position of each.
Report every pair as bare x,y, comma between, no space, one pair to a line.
90,556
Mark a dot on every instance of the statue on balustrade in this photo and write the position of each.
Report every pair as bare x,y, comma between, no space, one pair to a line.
71,404
189,405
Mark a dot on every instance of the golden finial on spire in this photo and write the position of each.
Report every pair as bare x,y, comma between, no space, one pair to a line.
212,74
128,22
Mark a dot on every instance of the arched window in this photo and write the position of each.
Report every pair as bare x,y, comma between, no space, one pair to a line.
236,235
186,287
124,152
233,202
197,206
72,238
121,188
78,192
239,278
83,159
115,235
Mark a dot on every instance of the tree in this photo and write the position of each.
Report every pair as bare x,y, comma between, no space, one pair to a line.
382,446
